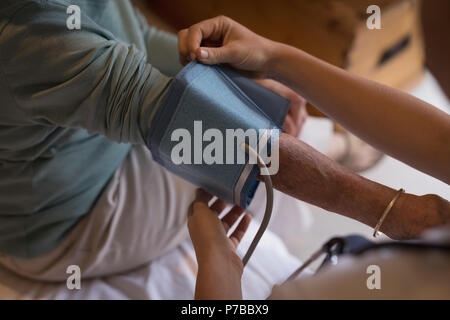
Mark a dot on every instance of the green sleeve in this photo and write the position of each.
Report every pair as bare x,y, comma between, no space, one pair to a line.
79,78
162,47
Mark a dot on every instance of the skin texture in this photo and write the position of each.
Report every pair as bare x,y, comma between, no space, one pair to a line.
373,112
308,175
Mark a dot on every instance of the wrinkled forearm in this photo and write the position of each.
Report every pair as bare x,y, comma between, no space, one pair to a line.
308,175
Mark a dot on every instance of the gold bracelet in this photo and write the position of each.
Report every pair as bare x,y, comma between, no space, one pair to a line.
385,213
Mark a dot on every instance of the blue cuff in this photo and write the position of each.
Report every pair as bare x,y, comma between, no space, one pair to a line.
213,97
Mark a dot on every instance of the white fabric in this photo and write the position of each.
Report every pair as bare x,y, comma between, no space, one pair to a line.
140,216
169,277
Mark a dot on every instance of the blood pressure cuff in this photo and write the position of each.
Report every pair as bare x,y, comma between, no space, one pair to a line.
214,97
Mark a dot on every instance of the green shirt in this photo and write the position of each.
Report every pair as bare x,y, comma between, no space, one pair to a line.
71,104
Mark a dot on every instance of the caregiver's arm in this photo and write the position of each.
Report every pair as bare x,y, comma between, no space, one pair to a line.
308,175
391,120
401,125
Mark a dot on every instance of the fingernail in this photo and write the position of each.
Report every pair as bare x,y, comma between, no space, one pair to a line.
192,56
204,54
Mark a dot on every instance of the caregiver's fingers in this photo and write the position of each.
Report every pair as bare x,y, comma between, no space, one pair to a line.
202,196
209,31
200,202
202,217
212,29
298,113
183,49
289,126
297,107
190,39
218,206
302,116
296,118
240,230
231,217
283,91
216,55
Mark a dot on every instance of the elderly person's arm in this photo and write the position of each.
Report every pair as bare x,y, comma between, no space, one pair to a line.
308,175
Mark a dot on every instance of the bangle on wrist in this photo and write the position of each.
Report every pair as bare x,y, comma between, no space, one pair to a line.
385,213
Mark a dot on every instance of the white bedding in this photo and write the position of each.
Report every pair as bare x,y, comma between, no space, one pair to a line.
170,277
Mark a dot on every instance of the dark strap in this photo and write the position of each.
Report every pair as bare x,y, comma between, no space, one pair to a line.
356,245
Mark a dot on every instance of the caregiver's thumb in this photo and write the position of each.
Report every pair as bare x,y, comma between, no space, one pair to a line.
215,55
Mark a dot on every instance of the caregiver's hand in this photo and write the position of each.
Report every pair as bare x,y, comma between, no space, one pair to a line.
219,268
222,40
297,115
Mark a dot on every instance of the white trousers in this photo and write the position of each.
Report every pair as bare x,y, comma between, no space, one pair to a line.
140,216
